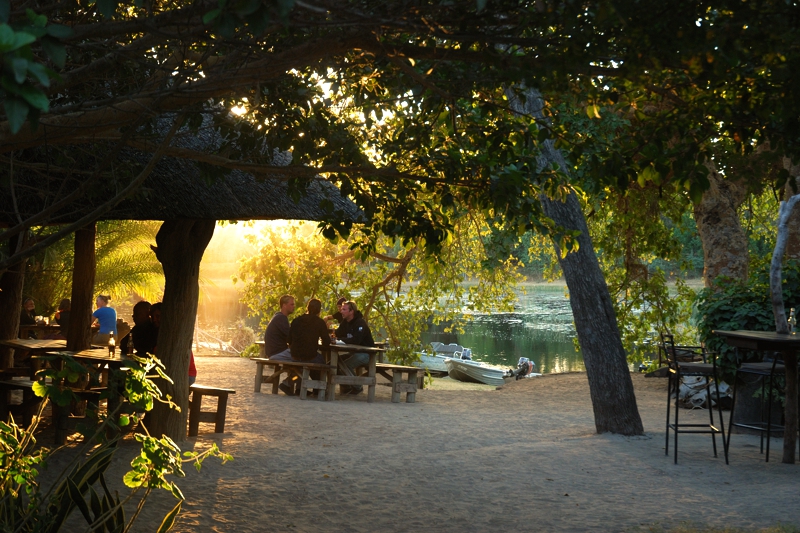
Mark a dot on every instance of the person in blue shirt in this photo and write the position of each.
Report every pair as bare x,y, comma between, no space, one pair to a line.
106,318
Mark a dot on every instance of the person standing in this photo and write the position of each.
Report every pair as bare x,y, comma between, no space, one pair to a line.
106,318
354,330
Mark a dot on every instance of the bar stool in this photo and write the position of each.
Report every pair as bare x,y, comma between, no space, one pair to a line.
771,366
691,361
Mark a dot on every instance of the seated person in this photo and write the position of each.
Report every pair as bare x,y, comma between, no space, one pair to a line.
306,332
144,335
62,318
354,330
337,316
276,338
106,318
27,317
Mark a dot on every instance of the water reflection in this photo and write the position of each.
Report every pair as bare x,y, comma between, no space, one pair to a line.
540,329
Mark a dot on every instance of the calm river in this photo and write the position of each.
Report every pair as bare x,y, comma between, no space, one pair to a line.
540,329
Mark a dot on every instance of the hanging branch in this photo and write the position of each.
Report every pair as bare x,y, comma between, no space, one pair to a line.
775,271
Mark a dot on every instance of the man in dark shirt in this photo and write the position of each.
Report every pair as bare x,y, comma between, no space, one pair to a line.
306,333
144,334
276,338
354,330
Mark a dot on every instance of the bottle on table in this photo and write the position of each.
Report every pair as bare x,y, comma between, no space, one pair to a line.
112,345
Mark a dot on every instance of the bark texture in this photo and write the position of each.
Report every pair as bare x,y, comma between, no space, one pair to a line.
793,224
724,239
180,247
610,384
79,336
11,283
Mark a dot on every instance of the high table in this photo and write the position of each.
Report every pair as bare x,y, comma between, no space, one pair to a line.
788,345
332,355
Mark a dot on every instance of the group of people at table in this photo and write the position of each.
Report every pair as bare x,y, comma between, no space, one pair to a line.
308,336
142,338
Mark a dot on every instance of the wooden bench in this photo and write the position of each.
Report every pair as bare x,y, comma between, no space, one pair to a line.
399,386
217,416
293,368
30,402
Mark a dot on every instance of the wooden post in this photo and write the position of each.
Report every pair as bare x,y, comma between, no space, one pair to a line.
11,283
79,335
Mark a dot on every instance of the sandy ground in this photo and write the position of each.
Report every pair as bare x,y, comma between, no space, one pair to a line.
523,458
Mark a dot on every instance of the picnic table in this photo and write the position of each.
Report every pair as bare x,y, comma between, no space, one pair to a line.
788,345
94,356
332,355
32,347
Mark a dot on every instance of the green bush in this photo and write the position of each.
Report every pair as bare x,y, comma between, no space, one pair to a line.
731,304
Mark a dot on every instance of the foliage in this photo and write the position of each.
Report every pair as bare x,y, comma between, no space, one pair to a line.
398,289
250,351
243,337
731,305
125,265
26,506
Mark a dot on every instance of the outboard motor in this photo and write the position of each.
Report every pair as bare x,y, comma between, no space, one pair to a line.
466,354
524,367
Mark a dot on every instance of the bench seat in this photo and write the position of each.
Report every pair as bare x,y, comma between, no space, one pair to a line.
394,373
293,368
197,415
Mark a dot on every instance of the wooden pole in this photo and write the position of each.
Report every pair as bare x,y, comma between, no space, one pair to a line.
79,336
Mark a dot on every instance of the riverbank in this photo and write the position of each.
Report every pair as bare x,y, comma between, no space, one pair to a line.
522,458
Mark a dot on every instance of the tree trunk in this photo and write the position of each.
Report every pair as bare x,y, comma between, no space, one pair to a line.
11,283
181,244
793,224
610,384
79,334
724,240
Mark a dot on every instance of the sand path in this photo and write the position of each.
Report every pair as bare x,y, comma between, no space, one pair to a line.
523,458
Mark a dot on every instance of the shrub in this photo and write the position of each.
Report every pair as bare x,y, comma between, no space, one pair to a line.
243,337
732,304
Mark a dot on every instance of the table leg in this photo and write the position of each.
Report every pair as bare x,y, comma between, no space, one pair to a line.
790,429
333,361
373,359
259,375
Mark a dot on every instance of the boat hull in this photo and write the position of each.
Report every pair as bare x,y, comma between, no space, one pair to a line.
431,363
476,372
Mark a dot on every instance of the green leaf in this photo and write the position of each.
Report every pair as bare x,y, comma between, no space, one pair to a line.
480,5
40,72
20,68
17,112
107,7
5,10
211,15
124,420
593,111
55,50
169,520
59,31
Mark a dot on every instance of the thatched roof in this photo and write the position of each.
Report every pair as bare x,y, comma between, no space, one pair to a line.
175,189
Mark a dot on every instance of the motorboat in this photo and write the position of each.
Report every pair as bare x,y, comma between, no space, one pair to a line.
435,362
478,372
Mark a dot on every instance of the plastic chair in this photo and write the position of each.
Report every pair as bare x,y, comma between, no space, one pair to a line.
691,361
769,367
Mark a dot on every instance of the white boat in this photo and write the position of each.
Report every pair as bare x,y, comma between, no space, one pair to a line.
434,362
477,372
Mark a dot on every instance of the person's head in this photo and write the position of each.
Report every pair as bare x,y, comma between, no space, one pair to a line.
313,307
340,302
287,304
65,305
102,300
141,312
349,310
155,314
28,304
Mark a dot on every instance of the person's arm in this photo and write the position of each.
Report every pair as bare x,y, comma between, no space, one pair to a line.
359,331
323,335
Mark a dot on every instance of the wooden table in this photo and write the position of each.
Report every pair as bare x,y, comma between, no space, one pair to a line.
788,345
34,347
332,355
93,356
42,330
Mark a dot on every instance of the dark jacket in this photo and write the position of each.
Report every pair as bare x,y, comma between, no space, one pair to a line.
305,334
355,332
276,338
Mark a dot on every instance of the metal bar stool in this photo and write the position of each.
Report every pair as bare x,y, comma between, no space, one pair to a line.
691,361
771,366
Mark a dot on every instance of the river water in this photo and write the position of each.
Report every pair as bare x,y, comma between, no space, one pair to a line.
540,328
